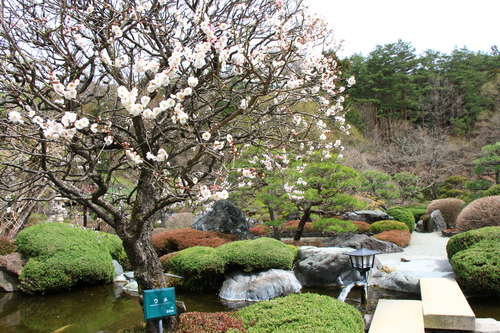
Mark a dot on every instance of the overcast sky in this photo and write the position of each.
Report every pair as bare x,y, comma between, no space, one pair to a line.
428,24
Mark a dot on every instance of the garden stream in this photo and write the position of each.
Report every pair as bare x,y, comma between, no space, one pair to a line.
107,309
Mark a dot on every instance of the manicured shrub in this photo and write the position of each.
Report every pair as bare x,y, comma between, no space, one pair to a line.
494,190
293,225
335,225
469,238
480,213
302,313
418,212
200,266
259,254
261,230
399,237
6,245
203,322
450,208
478,267
180,239
203,267
363,227
61,256
387,225
403,215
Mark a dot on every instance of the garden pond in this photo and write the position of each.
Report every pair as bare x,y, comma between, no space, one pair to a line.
107,309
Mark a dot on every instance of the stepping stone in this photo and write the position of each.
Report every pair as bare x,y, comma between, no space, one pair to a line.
396,316
445,306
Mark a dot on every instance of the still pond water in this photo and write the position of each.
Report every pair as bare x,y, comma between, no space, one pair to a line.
106,309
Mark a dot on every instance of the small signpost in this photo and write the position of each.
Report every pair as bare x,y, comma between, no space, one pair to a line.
158,304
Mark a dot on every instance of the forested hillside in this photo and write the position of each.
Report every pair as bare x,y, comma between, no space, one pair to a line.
433,115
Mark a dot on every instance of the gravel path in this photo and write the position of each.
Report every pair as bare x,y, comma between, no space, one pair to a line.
426,252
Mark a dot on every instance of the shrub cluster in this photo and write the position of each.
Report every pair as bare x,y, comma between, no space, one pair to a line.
465,240
293,225
61,256
418,212
335,225
387,225
261,230
403,215
483,212
202,267
180,239
6,245
302,313
203,322
399,237
475,260
363,227
450,208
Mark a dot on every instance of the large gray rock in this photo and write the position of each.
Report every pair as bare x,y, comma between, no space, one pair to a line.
368,216
240,286
324,266
436,222
407,281
356,241
10,269
224,217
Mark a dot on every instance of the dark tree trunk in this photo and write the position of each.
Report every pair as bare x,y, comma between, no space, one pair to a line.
300,228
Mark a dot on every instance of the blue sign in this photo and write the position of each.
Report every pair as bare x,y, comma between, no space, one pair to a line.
159,303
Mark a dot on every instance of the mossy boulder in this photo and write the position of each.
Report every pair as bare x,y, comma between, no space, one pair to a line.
204,267
61,256
387,225
404,215
302,313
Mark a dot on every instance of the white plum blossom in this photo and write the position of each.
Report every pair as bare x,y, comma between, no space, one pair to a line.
68,119
133,156
81,123
205,193
162,155
206,136
117,31
218,145
108,140
222,195
15,117
351,81
192,81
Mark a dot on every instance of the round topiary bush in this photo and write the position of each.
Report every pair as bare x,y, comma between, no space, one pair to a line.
259,254
387,225
363,227
418,212
403,215
60,256
302,313
399,237
480,213
478,267
335,225
449,207
200,266
469,238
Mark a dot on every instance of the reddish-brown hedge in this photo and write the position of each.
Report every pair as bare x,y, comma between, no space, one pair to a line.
261,230
399,237
362,226
293,225
206,322
180,239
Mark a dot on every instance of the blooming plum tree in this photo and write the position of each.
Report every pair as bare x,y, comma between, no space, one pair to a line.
160,94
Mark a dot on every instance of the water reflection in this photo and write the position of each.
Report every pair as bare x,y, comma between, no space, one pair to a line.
105,309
